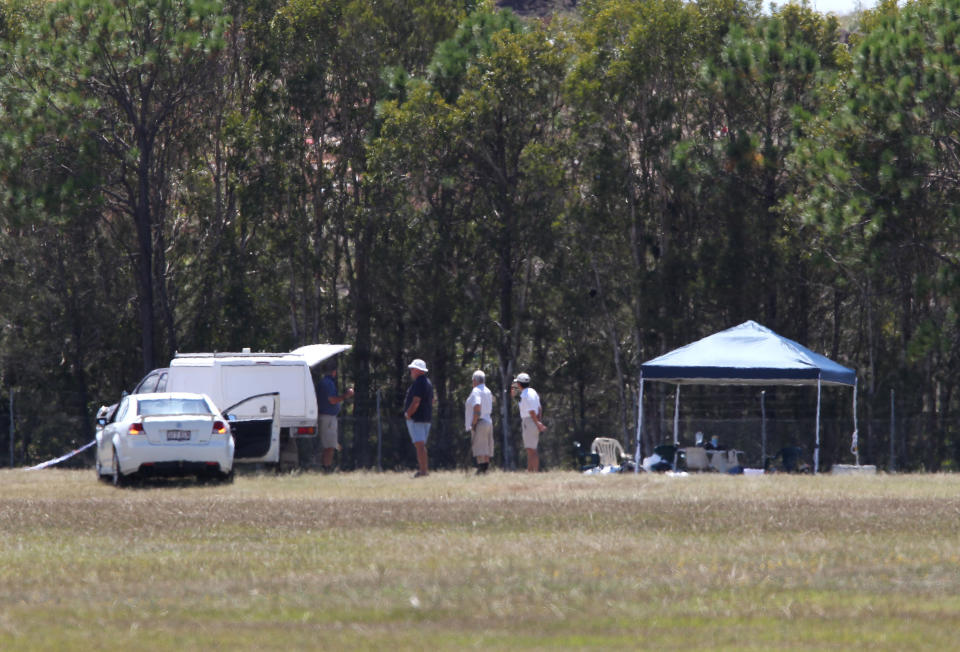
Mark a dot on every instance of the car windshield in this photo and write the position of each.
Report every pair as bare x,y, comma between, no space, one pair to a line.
169,406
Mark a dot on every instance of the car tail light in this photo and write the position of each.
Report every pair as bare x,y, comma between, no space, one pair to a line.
136,429
305,430
219,428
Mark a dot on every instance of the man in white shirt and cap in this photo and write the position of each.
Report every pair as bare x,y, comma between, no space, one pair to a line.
477,412
531,411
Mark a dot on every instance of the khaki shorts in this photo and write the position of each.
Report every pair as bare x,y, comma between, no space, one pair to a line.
531,436
482,439
328,430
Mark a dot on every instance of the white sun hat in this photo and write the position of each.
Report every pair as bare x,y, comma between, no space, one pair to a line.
418,364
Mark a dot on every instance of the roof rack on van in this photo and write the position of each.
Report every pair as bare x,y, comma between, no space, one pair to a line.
226,354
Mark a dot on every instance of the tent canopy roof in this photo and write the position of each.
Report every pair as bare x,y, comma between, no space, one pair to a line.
748,354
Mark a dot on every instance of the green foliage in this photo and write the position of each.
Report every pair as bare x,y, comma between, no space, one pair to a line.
472,41
14,14
91,92
448,180
882,196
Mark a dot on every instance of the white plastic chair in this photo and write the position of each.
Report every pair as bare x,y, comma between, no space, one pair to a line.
723,461
697,458
609,450
719,461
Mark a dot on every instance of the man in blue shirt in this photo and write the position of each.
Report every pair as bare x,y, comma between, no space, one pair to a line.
328,407
418,411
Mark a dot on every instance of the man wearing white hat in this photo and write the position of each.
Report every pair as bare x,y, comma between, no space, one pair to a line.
531,411
418,411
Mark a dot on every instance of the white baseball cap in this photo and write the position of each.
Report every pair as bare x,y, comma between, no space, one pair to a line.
418,364
522,378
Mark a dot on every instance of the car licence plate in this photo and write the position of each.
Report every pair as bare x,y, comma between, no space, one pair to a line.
178,435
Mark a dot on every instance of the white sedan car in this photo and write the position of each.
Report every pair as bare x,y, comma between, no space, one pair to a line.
165,434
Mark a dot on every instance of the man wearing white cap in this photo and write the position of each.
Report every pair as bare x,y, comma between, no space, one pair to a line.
530,413
418,411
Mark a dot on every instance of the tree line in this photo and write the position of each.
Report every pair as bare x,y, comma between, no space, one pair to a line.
448,180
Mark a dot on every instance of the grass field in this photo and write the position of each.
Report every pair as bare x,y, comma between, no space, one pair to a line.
506,561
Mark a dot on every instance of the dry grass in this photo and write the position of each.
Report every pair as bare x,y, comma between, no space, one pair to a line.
507,561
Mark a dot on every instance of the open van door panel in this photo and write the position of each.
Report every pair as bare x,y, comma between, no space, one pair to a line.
252,438
256,438
314,354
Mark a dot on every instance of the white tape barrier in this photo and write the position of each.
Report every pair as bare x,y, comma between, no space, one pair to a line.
44,465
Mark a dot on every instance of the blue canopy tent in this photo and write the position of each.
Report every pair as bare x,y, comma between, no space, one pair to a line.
748,354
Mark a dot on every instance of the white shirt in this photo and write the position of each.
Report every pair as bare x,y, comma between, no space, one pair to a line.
479,396
529,400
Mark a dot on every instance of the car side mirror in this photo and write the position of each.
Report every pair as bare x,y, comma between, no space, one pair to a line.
102,421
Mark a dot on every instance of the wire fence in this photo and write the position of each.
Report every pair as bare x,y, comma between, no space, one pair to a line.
381,441
449,443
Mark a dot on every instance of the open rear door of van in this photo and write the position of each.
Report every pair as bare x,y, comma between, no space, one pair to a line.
256,439
314,354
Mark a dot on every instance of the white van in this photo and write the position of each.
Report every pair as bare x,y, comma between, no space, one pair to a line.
229,378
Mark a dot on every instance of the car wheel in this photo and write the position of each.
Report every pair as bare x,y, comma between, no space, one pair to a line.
226,478
118,479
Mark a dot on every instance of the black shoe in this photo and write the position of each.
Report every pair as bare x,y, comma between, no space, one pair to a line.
420,474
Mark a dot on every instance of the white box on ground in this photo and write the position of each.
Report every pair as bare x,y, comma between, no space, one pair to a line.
853,469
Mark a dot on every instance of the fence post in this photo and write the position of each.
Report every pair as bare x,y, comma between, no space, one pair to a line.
379,436
893,432
11,428
505,425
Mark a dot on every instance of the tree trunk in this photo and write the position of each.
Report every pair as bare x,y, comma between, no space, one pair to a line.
611,332
362,346
505,347
144,223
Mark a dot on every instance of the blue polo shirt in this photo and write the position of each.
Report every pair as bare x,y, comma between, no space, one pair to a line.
326,388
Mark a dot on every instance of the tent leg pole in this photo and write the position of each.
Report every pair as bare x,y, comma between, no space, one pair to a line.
637,456
676,418
763,427
816,450
855,439
855,444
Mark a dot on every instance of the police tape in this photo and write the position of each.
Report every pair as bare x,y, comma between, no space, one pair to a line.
75,451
